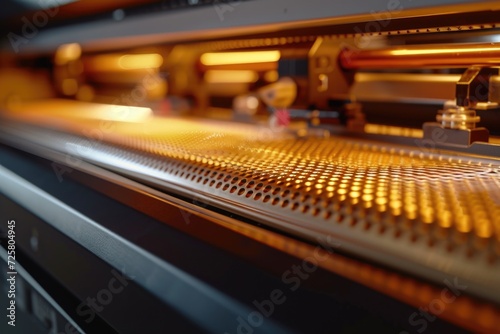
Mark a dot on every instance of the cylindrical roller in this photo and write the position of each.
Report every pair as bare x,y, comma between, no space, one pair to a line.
451,55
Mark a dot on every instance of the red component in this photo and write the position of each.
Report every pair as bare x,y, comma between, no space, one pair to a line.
282,117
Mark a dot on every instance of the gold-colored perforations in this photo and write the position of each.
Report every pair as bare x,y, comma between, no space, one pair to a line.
436,197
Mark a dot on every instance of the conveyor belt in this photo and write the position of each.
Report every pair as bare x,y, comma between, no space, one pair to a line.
436,216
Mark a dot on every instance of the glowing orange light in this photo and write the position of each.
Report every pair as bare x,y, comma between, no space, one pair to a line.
117,62
67,52
229,58
227,76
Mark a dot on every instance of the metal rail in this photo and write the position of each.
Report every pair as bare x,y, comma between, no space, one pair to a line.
447,55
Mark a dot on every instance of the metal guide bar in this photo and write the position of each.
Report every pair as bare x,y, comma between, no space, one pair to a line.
170,284
294,39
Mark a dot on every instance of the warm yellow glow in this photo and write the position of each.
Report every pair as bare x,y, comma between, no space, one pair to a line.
84,111
315,46
229,58
117,62
393,130
121,113
140,61
252,102
85,93
223,76
405,77
67,52
69,86
406,52
271,76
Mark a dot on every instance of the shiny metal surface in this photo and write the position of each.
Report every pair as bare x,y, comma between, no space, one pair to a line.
176,286
432,215
411,56
414,215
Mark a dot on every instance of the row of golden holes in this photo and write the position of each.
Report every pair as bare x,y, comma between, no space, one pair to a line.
275,201
258,187
242,182
266,199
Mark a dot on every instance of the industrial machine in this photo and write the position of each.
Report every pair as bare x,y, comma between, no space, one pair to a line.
250,167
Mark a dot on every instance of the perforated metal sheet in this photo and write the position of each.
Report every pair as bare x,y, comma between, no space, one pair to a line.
434,215
442,197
